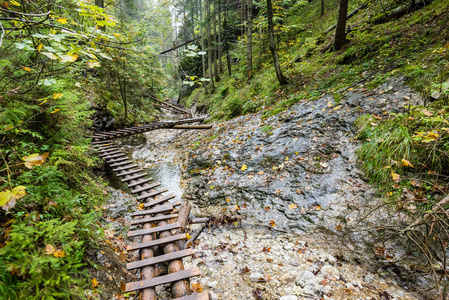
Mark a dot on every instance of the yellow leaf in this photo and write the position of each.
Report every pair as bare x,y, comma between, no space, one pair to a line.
395,177
8,198
228,200
5,197
192,77
19,192
244,167
94,283
296,152
69,57
59,254
40,47
26,69
197,288
93,64
49,249
406,163
35,159
293,206
188,236
272,223
260,173
13,2
50,55
62,20
57,95
45,100
56,110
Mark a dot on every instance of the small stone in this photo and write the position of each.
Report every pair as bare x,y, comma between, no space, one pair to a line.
306,278
213,296
256,276
328,270
288,297
287,277
369,278
213,284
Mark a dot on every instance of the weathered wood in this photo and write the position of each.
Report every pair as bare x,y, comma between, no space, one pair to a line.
158,242
196,234
114,156
198,220
146,188
191,127
153,229
153,219
140,182
181,275
122,163
114,160
102,142
101,148
125,168
162,208
134,177
108,153
129,172
159,259
160,200
184,212
201,296
148,195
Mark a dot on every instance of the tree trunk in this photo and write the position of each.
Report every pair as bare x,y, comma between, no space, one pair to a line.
203,57
277,67
209,48
249,41
220,67
322,8
340,31
217,78
227,43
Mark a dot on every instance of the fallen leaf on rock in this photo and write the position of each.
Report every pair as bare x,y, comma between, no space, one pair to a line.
94,283
244,167
266,249
267,208
293,206
245,270
197,288
272,223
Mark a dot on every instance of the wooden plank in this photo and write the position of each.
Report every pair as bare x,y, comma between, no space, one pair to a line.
159,259
121,154
109,152
146,196
121,163
129,172
125,168
155,281
146,188
101,142
140,182
162,208
114,160
202,296
153,229
101,148
134,177
170,239
153,219
160,200
113,148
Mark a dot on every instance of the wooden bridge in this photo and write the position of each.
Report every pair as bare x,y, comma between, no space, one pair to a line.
162,222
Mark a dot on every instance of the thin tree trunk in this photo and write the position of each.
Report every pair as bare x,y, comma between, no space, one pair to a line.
220,69
249,41
322,8
277,67
217,78
340,31
226,41
203,57
209,48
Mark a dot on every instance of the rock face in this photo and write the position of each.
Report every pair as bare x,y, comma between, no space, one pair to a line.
296,169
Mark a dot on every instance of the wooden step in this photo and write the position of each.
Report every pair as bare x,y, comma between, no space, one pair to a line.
153,219
162,208
146,188
155,281
101,142
114,160
134,177
105,147
109,152
125,168
152,194
121,154
122,163
140,182
153,229
159,259
114,148
160,200
170,239
129,172
201,296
